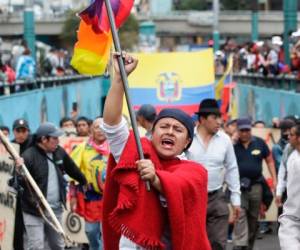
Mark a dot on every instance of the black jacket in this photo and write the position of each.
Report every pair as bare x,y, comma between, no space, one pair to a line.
26,144
36,161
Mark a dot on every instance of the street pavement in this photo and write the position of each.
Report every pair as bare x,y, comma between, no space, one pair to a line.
268,242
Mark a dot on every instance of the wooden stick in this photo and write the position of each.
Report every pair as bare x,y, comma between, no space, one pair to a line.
11,150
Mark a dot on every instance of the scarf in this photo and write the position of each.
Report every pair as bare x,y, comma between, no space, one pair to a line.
102,149
130,210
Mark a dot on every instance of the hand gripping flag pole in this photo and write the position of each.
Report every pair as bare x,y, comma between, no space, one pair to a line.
11,150
116,41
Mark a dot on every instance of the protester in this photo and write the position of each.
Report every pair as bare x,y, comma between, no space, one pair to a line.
259,124
5,130
10,75
213,149
91,157
250,152
230,128
68,125
145,117
278,148
172,215
289,229
22,134
24,139
83,126
25,69
282,169
46,162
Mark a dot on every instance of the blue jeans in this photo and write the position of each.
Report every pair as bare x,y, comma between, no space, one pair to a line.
93,232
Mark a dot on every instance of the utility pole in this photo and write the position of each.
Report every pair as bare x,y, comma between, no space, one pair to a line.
254,20
29,33
290,8
216,34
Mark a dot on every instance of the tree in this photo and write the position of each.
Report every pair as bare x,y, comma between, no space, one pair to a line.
235,4
70,27
128,33
191,5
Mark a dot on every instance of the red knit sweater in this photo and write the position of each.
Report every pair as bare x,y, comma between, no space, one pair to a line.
130,210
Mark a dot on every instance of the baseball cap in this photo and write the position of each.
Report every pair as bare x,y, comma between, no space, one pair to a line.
20,123
244,123
48,129
147,111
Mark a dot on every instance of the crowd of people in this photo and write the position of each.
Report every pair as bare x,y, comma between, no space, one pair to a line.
261,57
21,65
198,169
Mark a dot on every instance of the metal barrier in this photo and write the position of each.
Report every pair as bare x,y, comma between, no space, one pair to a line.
284,82
39,83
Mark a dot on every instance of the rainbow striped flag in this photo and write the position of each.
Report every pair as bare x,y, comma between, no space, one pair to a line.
92,50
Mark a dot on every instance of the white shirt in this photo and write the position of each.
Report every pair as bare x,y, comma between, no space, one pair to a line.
282,172
220,162
289,229
117,136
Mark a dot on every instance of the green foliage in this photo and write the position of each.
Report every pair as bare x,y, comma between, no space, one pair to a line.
191,5
128,33
236,4
70,27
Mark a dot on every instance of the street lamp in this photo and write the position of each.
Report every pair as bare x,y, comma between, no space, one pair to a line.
254,20
29,33
290,24
216,34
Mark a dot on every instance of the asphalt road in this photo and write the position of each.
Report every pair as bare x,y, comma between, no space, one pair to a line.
268,242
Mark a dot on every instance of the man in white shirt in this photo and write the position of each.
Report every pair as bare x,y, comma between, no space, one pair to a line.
214,150
289,229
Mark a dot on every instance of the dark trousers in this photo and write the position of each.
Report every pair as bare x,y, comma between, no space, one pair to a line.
217,220
19,226
245,229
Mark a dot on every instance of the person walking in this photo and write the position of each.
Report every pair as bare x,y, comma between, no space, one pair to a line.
91,158
145,117
24,139
213,149
172,214
46,161
289,220
250,152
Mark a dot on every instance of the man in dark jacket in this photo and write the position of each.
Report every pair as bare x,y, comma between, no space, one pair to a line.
47,163
23,138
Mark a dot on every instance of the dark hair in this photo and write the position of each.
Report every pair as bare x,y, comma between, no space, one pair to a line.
259,122
38,139
65,119
297,127
83,118
4,128
206,114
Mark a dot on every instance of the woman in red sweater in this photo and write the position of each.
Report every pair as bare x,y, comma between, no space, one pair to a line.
173,214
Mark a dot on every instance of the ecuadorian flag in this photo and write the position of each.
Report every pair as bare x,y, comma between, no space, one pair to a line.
178,80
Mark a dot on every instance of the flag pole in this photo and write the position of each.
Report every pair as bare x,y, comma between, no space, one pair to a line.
117,45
